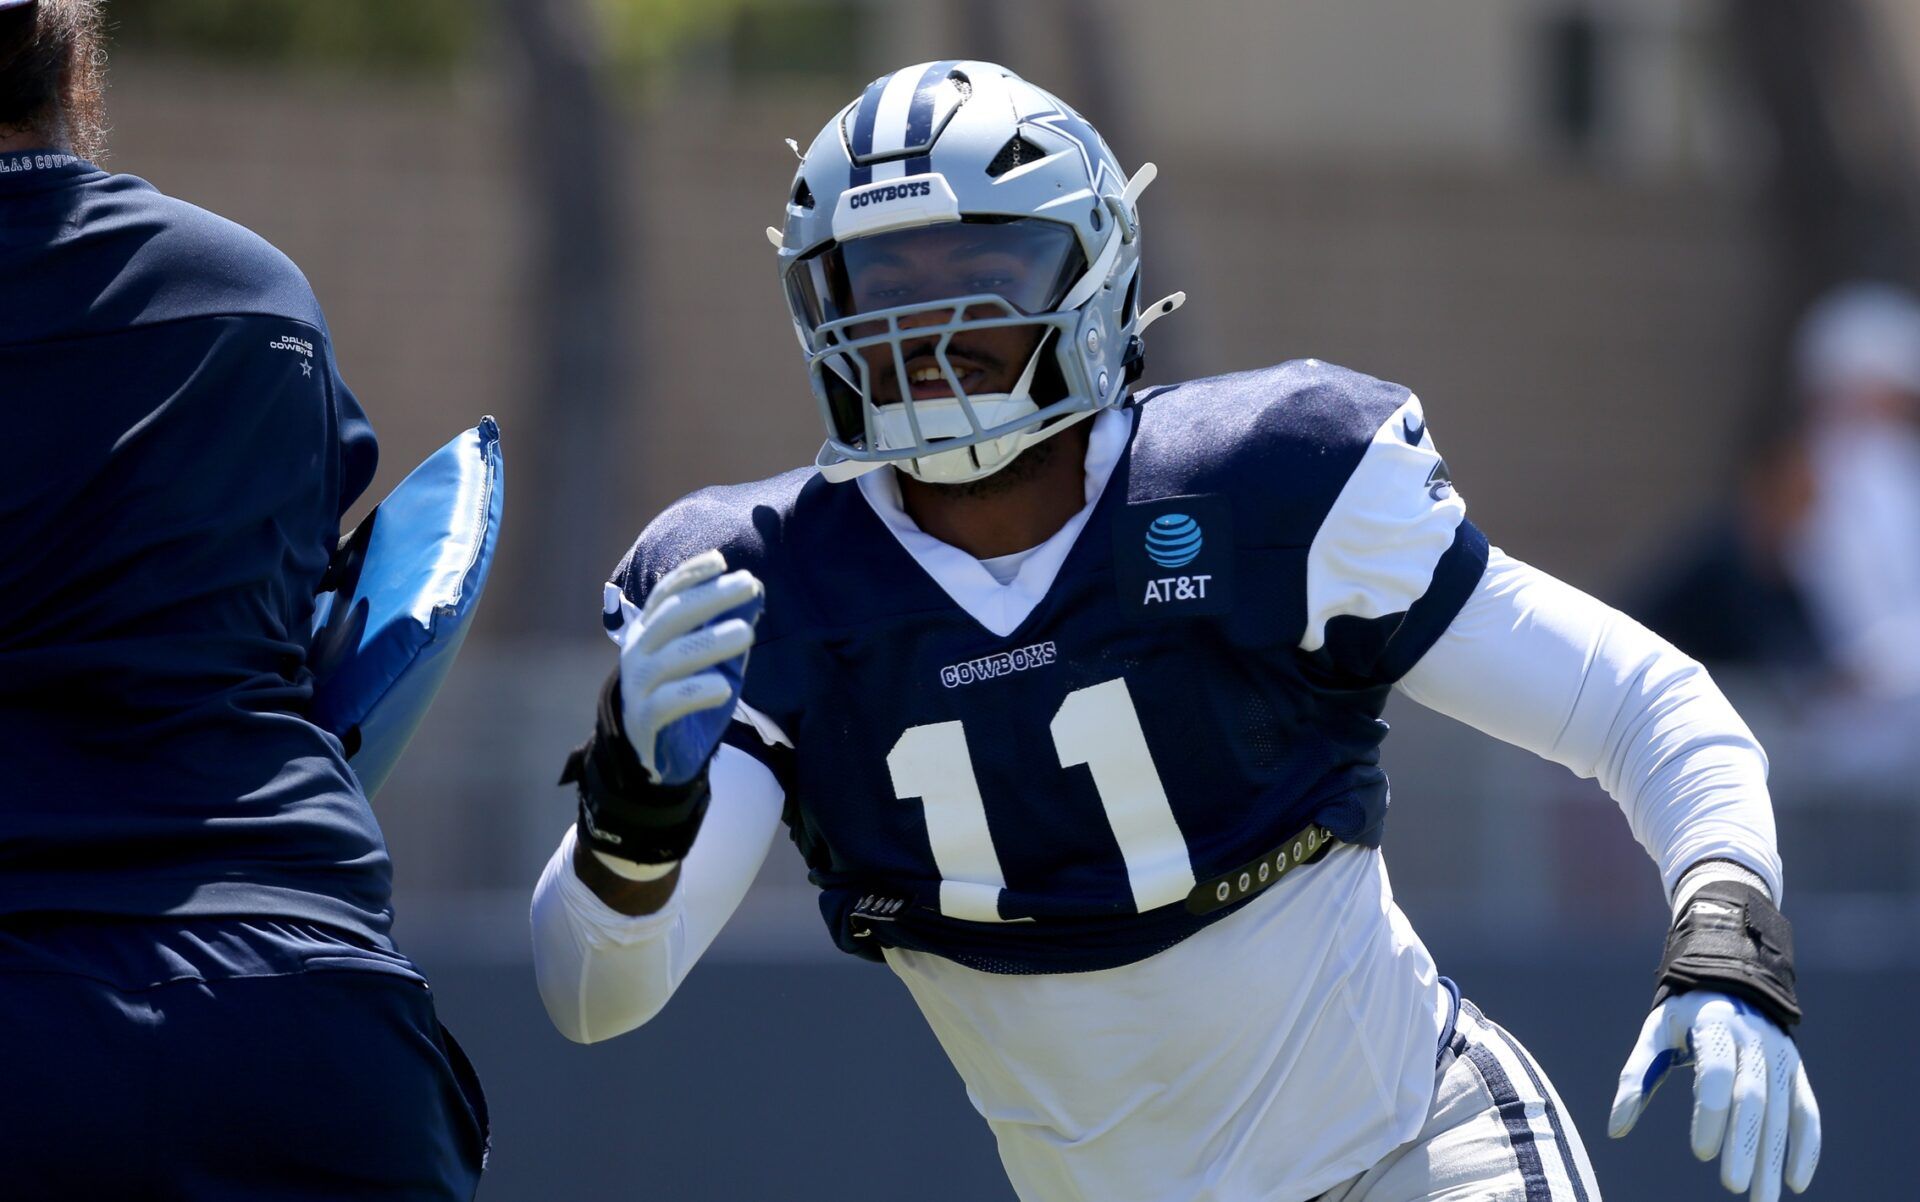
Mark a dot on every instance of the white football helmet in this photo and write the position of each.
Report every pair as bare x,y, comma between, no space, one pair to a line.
951,204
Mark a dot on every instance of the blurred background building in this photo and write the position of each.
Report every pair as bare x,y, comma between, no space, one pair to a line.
1586,233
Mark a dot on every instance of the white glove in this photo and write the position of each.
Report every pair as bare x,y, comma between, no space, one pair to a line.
1752,1104
682,660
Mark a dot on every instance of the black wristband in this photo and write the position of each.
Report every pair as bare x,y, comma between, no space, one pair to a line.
623,812
1733,940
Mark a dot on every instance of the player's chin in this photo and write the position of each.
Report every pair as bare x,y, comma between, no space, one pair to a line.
1013,475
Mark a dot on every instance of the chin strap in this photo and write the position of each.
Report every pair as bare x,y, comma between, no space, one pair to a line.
1127,203
835,470
1157,310
1125,230
1134,362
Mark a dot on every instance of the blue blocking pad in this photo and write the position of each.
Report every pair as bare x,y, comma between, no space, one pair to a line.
398,598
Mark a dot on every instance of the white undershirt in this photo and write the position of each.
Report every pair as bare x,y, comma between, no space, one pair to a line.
975,585
1288,1046
1004,568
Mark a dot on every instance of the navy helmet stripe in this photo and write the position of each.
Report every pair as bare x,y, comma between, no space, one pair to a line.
1513,1114
860,141
920,116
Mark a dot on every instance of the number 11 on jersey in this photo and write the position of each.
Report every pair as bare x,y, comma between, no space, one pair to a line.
1096,726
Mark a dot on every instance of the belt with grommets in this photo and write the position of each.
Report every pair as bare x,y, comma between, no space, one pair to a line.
1304,847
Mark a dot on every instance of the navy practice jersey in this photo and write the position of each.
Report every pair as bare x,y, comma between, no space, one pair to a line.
1203,679
179,450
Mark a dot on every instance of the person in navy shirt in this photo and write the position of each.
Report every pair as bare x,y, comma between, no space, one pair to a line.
195,948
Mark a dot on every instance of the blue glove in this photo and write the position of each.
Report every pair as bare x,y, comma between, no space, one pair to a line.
1752,1105
682,661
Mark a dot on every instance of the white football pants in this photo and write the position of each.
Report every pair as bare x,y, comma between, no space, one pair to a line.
1497,1132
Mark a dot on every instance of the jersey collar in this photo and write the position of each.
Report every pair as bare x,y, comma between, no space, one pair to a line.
23,171
1002,607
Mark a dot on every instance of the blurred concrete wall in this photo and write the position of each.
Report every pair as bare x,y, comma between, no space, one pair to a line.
1585,346
1411,80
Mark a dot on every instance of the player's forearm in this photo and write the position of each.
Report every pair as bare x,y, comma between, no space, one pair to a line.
1694,788
603,970
1537,663
1709,871
600,972
1656,732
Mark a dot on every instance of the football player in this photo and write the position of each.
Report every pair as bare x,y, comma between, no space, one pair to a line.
1070,696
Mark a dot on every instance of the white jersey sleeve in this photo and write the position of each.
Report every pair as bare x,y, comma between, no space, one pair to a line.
1537,663
1375,553
1393,556
602,973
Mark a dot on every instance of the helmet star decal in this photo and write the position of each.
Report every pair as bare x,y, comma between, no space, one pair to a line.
1093,150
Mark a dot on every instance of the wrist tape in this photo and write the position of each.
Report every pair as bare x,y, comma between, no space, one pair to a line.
623,812
1730,938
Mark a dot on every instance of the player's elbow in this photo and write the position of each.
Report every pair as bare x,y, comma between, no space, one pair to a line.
564,1005
1688,708
594,1015
577,1031
575,1020
572,1028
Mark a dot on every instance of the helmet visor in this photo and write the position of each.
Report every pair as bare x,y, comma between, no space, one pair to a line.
1029,262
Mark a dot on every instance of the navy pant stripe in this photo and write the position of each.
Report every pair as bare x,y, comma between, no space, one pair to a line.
920,115
1513,1113
1553,1115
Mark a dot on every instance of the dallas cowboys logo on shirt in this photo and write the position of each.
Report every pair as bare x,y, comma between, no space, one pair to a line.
1173,557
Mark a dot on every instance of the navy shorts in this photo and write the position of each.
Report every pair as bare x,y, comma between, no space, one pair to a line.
226,1059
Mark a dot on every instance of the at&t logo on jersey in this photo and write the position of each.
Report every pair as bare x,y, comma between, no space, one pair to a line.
1174,556
1174,540
1176,588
